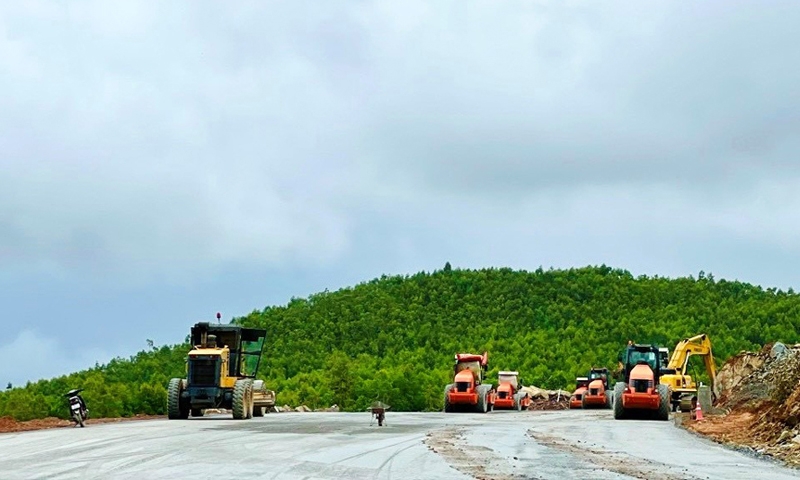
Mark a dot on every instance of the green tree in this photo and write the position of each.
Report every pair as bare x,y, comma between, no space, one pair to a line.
394,337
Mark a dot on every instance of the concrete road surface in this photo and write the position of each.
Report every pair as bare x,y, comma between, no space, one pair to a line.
496,446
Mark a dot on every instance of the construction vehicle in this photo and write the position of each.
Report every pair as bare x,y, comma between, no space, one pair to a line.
597,394
509,393
599,373
663,352
220,374
576,399
468,390
640,391
683,386
263,399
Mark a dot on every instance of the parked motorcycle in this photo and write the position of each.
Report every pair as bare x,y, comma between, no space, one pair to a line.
77,407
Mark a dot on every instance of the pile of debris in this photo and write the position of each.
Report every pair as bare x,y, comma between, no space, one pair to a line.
760,394
303,409
542,399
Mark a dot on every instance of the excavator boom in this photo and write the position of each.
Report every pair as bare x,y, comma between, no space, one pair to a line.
682,385
697,345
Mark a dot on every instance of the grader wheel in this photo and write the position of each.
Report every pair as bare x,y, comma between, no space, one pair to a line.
243,399
175,409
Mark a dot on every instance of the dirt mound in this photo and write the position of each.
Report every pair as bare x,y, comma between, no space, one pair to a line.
549,404
9,425
735,371
755,380
761,393
542,399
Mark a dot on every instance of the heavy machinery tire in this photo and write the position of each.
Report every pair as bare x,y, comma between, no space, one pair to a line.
619,411
685,402
175,410
518,402
608,399
447,407
663,407
251,401
240,404
481,406
197,412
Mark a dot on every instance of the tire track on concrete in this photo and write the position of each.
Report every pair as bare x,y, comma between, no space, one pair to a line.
344,471
388,463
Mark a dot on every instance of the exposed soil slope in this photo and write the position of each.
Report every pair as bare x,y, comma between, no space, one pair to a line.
760,393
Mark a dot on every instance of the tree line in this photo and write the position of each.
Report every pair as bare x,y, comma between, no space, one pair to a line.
393,338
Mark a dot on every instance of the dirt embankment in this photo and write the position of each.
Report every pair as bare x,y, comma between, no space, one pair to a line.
9,425
760,393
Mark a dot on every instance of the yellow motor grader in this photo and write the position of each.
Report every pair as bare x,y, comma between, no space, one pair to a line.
220,374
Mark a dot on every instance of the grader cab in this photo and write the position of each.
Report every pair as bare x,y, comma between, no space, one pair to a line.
220,373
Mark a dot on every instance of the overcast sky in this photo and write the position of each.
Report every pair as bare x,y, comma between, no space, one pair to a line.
162,161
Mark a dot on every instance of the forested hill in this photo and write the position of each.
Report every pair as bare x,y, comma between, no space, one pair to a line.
394,338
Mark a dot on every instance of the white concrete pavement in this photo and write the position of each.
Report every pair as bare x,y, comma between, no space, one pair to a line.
497,445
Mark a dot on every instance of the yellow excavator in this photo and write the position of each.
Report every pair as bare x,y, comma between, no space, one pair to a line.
683,386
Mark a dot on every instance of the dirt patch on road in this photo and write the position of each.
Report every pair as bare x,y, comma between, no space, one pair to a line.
617,462
9,425
474,460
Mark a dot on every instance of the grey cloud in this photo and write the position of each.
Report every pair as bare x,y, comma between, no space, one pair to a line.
143,146
190,136
697,94
163,161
